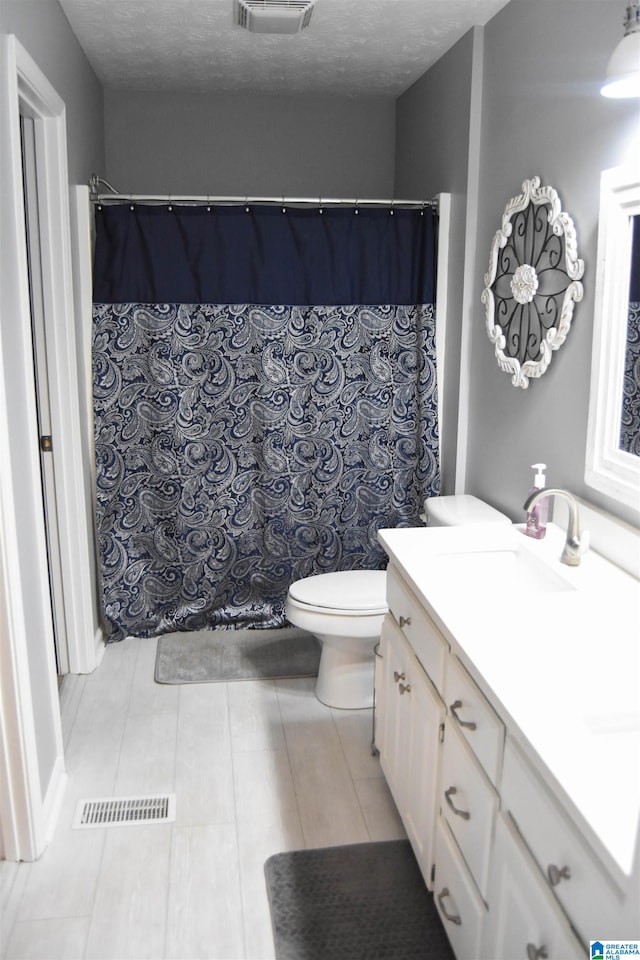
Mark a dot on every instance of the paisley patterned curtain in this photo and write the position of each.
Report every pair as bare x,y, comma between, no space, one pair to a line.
264,399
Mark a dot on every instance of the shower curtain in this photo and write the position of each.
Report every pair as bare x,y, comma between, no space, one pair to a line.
264,402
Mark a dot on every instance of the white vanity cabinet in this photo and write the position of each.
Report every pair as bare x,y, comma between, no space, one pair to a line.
528,842
445,752
408,731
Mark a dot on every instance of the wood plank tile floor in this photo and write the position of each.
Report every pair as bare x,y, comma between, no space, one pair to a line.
257,768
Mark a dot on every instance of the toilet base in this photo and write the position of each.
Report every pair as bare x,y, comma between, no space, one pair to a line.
346,678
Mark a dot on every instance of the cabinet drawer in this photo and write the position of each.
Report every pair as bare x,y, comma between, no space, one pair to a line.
461,910
475,719
571,871
524,919
469,805
425,639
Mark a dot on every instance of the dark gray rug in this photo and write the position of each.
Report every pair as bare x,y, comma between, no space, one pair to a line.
217,656
365,901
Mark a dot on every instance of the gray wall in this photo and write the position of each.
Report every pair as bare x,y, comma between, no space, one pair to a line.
44,32
541,114
239,145
432,155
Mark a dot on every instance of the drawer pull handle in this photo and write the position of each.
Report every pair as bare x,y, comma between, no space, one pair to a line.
404,688
459,813
454,918
405,622
469,724
556,874
398,676
536,953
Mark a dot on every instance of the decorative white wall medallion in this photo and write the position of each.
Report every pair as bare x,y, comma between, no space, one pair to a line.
532,283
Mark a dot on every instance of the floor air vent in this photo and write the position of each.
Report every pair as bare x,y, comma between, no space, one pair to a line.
125,811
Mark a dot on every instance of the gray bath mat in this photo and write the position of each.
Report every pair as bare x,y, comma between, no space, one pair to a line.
215,656
366,900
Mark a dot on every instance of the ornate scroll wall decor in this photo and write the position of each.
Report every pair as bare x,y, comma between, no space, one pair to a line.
532,283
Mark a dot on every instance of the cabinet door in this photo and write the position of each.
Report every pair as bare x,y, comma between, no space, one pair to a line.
425,724
413,718
524,920
389,734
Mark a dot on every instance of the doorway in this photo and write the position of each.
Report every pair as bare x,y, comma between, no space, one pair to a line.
32,776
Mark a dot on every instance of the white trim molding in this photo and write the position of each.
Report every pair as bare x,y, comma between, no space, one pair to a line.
608,468
32,776
442,306
48,113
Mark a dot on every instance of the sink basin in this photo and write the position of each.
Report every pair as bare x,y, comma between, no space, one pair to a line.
506,570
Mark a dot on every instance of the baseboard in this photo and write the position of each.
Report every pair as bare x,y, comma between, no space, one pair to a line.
52,803
99,646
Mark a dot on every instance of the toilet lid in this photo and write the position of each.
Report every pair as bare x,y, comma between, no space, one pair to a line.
461,509
357,590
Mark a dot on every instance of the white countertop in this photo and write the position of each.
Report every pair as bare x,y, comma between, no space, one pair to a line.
561,666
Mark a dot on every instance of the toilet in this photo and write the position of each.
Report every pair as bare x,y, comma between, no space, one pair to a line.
459,510
345,610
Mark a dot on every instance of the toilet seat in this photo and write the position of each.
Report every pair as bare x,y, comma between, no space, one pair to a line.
347,593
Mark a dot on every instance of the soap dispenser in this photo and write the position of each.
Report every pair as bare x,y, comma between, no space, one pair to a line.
537,517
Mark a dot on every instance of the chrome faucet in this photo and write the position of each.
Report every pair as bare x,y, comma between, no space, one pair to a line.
572,548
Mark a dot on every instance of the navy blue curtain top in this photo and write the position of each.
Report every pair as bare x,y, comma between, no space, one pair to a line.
262,255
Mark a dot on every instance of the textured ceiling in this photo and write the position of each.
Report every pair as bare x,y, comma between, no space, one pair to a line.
352,47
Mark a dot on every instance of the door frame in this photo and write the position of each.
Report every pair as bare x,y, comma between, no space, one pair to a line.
43,392
31,755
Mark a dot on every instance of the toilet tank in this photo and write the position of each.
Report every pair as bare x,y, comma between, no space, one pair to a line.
459,509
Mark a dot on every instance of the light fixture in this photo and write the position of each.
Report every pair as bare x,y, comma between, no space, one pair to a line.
623,70
274,16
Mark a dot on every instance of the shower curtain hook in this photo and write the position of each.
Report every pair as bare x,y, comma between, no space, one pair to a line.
246,201
391,210
319,204
356,209
284,209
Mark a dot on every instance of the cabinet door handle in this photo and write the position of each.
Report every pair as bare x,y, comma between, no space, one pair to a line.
451,792
398,676
556,874
404,688
404,622
536,953
469,724
454,918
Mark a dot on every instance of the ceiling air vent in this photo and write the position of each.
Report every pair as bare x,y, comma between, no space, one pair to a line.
274,16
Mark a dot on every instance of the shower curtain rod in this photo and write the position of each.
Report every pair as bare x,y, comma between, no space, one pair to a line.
115,197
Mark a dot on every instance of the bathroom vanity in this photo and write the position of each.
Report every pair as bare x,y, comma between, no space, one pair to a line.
508,726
